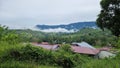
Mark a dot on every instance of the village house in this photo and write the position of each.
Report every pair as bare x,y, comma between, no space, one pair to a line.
46,45
85,48
83,44
80,48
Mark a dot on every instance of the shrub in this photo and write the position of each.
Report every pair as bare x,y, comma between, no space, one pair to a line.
63,57
118,43
65,48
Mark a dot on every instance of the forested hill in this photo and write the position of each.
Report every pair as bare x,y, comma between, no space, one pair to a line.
74,26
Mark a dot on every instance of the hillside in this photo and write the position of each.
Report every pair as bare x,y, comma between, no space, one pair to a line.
73,26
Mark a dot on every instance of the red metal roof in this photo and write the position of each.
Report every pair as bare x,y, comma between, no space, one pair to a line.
104,49
45,43
84,50
47,46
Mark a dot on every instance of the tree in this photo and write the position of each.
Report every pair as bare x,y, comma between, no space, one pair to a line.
8,35
109,16
3,31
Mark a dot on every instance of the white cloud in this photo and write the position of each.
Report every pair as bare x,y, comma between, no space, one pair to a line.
58,30
31,12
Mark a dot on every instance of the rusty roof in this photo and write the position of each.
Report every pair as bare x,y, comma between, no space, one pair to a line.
47,46
84,50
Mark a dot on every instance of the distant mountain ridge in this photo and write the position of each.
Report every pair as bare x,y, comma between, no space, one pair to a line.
73,26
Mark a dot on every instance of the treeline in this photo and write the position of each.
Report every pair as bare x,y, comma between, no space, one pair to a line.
95,37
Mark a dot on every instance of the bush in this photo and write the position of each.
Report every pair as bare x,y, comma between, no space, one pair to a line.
18,64
8,35
67,59
62,57
118,43
65,48
36,54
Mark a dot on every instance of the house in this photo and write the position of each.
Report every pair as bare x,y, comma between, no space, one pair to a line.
45,43
104,49
83,44
47,46
84,50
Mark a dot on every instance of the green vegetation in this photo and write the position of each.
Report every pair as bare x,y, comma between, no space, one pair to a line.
18,64
16,52
35,57
38,56
109,16
95,37
11,58
105,63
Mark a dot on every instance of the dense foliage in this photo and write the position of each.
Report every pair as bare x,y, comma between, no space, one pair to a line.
16,53
9,36
63,57
19,55
95,37
109,16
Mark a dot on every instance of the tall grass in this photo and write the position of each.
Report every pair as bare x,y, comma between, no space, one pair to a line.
28,56
18,64
105,63
5,46
61,58
7,57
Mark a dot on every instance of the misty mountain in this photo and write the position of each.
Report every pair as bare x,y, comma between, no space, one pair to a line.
73,26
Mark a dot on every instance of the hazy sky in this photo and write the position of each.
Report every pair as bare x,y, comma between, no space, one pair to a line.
26,13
